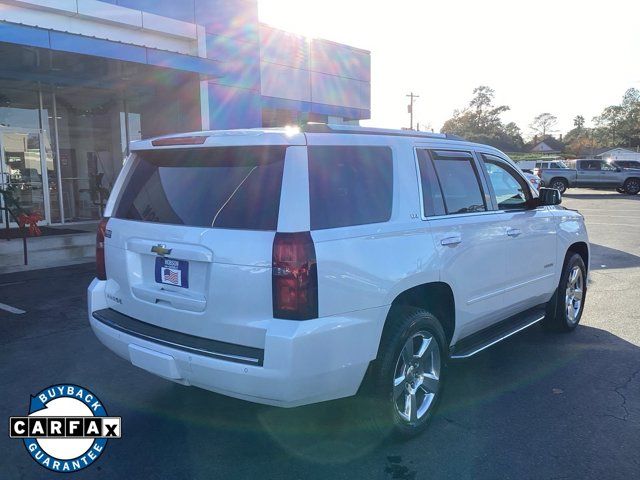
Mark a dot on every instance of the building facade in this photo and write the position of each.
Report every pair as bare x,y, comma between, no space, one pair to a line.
80,79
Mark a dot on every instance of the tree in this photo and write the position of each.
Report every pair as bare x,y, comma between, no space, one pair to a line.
579,140
544,124
480,122
619,125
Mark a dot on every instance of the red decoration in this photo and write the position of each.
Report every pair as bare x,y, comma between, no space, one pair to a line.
31,221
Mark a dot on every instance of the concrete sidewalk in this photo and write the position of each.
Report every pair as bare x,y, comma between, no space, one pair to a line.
51,250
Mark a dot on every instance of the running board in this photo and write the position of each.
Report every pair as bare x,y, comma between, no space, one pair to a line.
484,339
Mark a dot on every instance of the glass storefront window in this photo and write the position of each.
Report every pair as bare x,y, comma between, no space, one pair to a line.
90,148
19,106
21,146
22,168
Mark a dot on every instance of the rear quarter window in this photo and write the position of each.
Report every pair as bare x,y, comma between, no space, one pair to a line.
224,187
349,185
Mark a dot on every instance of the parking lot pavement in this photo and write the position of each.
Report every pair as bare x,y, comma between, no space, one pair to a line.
538,405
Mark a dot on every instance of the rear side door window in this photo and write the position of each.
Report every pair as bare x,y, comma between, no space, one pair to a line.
510,189
589,165
349,185
459,181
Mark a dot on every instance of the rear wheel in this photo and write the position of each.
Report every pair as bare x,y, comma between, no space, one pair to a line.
559,184
632,186
407,376
564,310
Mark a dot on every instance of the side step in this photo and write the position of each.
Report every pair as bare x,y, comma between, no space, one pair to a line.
484,339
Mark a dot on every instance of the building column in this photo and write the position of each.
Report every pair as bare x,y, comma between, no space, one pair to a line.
204,84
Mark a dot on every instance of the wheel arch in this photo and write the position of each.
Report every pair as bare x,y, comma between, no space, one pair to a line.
435,297
582,249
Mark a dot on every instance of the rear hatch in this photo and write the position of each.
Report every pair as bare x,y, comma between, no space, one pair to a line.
191,237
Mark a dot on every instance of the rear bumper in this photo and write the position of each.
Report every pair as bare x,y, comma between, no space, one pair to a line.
302,362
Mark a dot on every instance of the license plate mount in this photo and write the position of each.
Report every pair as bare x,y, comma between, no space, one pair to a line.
170,271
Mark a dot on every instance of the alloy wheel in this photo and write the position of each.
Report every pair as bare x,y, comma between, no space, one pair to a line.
574,294
559,186
417,377
633,187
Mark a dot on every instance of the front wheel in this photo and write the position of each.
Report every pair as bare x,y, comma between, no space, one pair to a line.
632,186
564,310
407,377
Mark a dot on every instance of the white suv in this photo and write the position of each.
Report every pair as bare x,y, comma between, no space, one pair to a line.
286,267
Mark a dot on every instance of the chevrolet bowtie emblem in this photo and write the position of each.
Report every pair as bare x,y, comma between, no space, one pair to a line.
161,249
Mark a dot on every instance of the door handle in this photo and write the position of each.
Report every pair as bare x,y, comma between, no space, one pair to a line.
514,232
454,240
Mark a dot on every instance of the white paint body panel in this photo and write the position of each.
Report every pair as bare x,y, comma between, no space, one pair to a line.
361,270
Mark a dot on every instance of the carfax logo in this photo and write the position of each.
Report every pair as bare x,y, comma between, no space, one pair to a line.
66,429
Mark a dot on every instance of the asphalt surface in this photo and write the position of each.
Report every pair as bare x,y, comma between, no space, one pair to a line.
539,405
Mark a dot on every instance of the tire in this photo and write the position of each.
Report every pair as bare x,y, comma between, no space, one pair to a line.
632,186
565,308
620,190
407,384
559,184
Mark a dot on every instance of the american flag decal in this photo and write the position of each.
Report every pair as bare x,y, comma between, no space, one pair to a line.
170,276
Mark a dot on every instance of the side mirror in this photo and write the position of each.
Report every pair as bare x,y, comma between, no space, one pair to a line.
549,196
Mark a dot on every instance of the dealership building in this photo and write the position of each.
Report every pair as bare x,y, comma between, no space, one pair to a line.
80,79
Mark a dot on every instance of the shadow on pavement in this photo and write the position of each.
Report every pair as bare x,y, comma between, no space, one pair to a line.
530,407
612,258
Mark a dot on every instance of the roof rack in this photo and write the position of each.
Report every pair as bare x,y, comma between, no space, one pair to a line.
314,127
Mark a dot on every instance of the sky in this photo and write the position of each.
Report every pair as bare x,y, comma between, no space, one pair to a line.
564,57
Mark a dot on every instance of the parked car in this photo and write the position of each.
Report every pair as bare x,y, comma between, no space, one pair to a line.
544,165
634,164
593,174
533,179
625,164
288,268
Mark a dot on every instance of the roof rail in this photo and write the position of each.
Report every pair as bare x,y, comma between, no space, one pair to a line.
314,127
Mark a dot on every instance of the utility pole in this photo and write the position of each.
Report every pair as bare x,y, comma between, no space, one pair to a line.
410,109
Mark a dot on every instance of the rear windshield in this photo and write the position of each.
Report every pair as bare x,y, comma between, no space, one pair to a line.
223,187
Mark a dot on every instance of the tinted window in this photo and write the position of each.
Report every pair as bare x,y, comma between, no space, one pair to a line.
226,187
589,165
628,164
432,200
510,190
349,185
459,182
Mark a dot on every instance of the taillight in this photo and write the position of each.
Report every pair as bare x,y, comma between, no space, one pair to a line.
101,271
294,277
